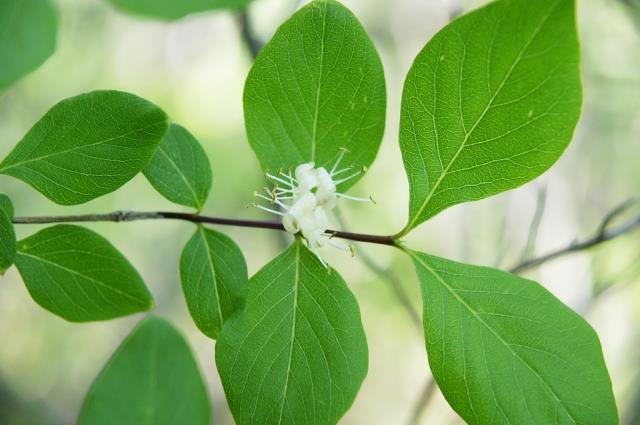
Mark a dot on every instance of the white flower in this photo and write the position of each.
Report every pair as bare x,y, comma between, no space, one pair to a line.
306,199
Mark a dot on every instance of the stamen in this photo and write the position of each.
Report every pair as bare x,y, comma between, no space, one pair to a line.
278,179
351,176
353,198
333,174
340,155
283,190
317,254
341,247
289,176
269,210
260,195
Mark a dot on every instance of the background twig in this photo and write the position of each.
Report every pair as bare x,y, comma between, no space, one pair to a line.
250,40
603,234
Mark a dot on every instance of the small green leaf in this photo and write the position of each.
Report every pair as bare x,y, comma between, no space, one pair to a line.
152,378
28,37
490,103
87,146
180,169
77,274
213,274
504,350
170,10
316,87
7,234
297,353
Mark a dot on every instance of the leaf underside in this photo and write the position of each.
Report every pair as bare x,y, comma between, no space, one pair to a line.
180,169
504,350
151,379
214,275
490,103
297,353
7,234
316,87
78,275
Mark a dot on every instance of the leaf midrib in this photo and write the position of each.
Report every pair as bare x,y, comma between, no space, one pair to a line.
77,273
213,273
431,193
493,332
43,157
314,133
196,199
293,329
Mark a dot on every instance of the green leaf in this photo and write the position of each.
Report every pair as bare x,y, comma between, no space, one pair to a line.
87,146
27,39
316,87
180,169
152,378
77,274
170,10
490,103
213,274
504,350
297,353
7,234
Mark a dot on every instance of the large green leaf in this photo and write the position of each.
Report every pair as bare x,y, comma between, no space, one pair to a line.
213,274
490,103
7,234
504,350
152,379
180,169
87,146
77,274
170,10
316,87
297,353
27,37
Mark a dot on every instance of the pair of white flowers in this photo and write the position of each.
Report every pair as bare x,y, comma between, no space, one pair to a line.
306,198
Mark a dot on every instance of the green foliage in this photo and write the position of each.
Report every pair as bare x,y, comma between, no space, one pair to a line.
77,274
180,169
490,103
7,234
170,10
87,146
213,274
28,37
316,87
502,348
297,353
151,379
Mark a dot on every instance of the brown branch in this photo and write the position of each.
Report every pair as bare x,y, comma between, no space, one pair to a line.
604,233
125,216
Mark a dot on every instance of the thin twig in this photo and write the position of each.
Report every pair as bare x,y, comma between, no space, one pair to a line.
603,234
250,40
534,228
430,388
125,216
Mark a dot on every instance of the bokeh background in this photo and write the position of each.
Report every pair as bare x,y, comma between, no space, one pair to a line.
195,70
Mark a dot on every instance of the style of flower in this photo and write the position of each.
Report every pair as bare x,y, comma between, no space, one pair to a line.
306,198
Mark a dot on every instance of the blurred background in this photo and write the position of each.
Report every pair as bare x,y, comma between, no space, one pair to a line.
195,69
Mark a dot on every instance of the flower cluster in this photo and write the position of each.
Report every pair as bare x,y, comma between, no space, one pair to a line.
305,199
